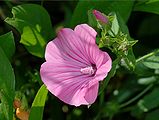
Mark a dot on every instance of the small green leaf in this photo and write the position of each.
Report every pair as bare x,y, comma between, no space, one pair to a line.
147,80
7,44
152,62
38,104
34,25
148,6
7,86
132,42
115,25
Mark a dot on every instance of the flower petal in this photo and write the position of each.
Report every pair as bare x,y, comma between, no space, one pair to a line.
88,36
52,51
103,59
72,45
92,92
55,52
73,94
65,82
104,67
87,33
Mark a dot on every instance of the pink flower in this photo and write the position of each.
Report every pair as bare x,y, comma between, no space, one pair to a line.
100,16
75,65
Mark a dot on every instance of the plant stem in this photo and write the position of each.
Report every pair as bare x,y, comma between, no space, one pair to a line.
137,97
146,56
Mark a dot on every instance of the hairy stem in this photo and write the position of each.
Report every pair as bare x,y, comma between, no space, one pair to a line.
148,55
136,97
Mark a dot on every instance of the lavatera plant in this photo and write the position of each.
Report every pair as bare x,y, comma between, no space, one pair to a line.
74,63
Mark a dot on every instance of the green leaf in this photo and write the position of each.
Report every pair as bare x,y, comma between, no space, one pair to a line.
148,63
115,25
151,1
34,25
152,62
147,103
80,14
7,86
149,6
142,70
147,80
2,116
38,104
150,101
7,44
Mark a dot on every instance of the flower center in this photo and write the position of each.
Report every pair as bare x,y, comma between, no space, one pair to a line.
89,70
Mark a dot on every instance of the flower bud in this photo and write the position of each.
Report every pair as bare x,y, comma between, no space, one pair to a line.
100,16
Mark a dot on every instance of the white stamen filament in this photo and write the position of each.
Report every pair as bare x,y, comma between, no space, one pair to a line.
88,70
